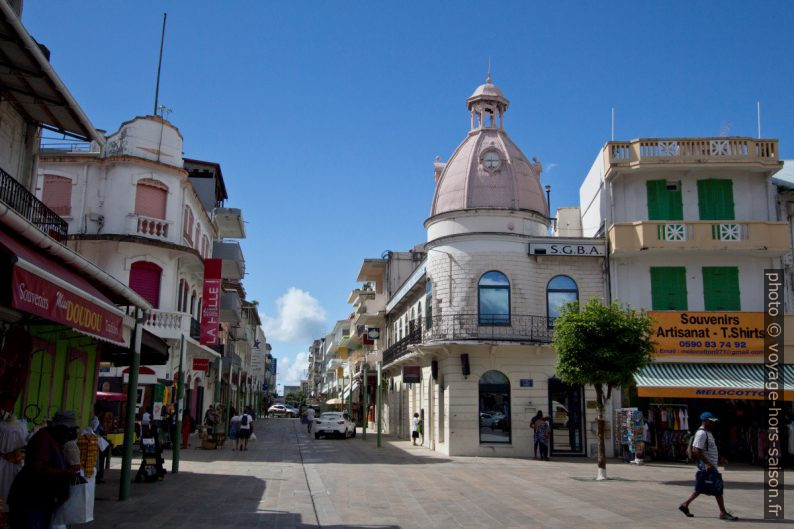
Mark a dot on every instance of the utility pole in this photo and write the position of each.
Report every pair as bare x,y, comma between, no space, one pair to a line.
365,415
350,394
379,401
180,397
132,402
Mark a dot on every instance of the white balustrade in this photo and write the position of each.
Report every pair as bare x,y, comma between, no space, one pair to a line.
151,227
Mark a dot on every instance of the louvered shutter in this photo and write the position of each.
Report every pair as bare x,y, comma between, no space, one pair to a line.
150,200
58,194
145,280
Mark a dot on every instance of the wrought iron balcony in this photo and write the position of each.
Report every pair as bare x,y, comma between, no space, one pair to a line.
473,327
15,196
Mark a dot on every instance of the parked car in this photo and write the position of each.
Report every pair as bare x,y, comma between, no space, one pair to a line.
486,418
281,410
334,423
559,418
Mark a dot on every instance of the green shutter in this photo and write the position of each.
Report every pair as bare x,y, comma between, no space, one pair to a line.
668,288
721,288
715,199
663,203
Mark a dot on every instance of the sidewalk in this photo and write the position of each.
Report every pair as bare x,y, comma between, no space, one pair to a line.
289,479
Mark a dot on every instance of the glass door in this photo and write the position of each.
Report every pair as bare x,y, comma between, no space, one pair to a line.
566,409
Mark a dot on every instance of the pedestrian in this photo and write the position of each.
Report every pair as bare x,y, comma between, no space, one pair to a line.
415,422
421,428
234,428
246,429
43,483
309,418
103,447
533,425
542,436
187,427
708,480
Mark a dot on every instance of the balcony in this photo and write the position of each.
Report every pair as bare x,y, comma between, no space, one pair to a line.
772,238
231,307
16,197
170,325
151,227
689,151
229,222
233,266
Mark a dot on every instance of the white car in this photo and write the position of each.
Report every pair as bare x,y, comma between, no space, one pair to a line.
334,423
280,410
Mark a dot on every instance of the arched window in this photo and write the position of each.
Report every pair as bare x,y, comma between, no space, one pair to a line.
494,299
193,304
179,295
494,408
187,225
561,290
58,194
429,304
150,198
197,237
145,280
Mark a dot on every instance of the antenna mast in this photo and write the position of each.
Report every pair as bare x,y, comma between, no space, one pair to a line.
159,64
758,110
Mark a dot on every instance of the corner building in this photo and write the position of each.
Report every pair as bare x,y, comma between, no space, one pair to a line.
468,333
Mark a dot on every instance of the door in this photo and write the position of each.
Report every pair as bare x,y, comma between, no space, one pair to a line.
566,409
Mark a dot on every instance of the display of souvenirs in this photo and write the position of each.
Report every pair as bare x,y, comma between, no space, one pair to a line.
668,431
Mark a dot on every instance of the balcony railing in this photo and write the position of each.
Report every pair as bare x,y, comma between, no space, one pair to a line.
23,202
688,150
473,327
152,227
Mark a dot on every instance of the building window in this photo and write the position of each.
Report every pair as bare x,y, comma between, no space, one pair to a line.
150,198
193,304
560,290
58,194
197,237
664,200
187,223
494,299
179,295
668,288
429,304
145,280
494,408
715,199
721,288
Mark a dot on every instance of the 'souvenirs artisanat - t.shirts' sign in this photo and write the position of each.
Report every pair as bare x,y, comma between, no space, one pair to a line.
211,305
708,333
36,295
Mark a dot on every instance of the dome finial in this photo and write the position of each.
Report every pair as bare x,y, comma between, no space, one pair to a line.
488,79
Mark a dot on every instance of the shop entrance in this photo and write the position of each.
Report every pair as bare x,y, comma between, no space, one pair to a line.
566,410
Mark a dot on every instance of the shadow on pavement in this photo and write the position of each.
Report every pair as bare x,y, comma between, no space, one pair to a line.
729,484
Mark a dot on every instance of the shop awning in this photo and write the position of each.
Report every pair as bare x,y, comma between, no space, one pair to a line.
710,381
154,352
42,286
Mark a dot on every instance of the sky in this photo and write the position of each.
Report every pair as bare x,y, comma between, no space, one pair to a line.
326,116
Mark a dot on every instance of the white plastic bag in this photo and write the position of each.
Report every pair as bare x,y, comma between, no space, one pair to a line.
79,508
253,437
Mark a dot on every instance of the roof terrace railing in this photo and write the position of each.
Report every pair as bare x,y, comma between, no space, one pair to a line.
18,198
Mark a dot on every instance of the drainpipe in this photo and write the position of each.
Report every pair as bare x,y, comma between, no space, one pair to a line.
132,400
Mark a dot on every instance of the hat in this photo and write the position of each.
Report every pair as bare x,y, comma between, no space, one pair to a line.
64,418
707,416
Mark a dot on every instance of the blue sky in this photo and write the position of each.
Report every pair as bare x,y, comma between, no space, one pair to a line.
326,116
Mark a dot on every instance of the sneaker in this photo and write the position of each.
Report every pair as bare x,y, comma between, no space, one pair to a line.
728,516
684,509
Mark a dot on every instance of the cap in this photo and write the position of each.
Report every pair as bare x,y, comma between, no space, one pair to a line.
64,418
707,416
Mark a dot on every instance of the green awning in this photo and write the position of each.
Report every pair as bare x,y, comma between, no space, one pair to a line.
711,381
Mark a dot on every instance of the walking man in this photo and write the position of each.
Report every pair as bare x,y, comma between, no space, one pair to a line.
309,418
707,479
246,428
542,435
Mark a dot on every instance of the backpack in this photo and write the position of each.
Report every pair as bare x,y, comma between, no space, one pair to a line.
244,419
689,452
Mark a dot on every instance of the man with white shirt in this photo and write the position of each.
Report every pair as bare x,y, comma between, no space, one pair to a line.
708,480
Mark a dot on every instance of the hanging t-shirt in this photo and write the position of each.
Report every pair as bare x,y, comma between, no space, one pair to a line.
664,419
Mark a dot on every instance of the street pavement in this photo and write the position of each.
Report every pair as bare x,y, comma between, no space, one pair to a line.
287,479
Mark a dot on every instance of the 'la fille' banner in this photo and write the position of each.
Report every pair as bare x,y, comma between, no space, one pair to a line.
211,305
708,333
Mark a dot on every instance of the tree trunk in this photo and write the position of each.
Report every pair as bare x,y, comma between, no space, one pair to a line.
602,453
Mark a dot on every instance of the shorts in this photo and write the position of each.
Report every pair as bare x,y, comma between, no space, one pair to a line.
709,482
414,435
244,433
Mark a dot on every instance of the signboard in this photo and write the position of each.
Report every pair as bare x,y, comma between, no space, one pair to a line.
36,295
258,362
201,364
712,333
710,393
568,249
526,382
412,374
211,306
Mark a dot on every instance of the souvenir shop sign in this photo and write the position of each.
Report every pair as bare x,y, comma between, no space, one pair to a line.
211,307
708,333
36,295
201,364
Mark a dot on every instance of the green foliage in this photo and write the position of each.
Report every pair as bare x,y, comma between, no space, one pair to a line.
604,345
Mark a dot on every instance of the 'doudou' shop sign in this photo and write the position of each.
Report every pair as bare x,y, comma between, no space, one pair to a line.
708,333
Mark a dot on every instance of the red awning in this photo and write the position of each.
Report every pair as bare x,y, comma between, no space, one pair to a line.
44,287
143,370
112,397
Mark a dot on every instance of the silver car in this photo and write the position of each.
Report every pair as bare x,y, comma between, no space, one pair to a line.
334,423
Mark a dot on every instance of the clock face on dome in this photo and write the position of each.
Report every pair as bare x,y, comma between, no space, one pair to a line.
491,160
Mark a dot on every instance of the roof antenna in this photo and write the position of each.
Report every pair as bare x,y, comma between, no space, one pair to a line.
613,123
758,110
159,64
488,79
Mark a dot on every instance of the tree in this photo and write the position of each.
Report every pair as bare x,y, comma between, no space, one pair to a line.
603,346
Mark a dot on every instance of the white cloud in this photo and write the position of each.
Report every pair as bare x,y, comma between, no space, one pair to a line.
550,167
300,318
292,370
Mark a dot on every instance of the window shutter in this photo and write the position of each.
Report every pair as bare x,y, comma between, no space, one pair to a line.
58,194
150,199
668,288
715,199
145,280
721,288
